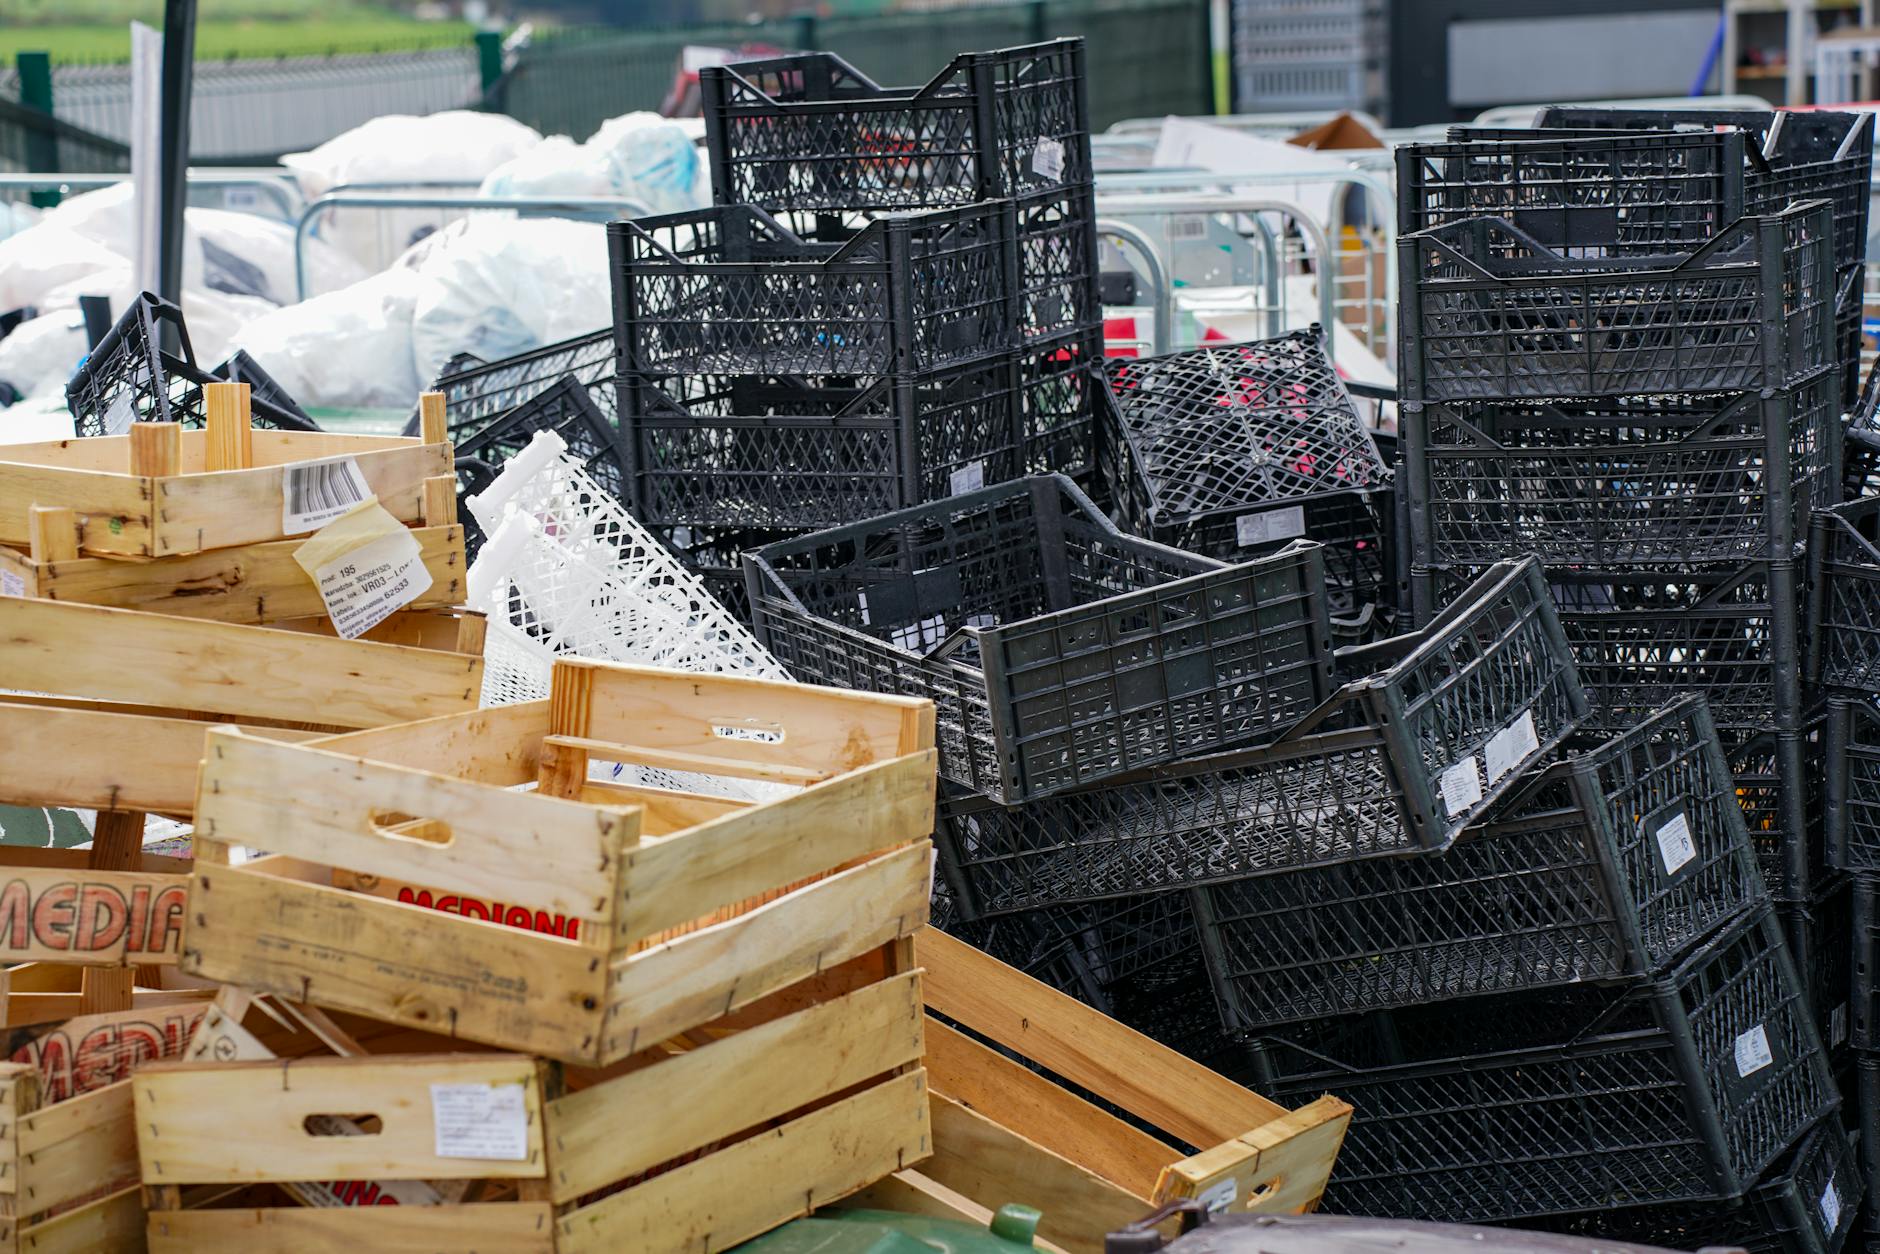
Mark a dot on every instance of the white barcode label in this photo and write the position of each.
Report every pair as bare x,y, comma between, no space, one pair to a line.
313,494
366,586
1830,1207
1511,746
480,1121
119,415
1752,1051
1273,524
1837,1025
1675,846
1218,1197
1462,786
861,600
1048,159
1191,226
968,478
11,585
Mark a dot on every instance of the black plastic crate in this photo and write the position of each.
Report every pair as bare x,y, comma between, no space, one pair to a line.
1621,482
1810,1203
1780,781
1362,777
1609,864
1844,596
565,407
1235,448
1643,636
1821,939
788,452
731,290
262,386
1561,1102
1491,313
129,377
1852,770
481,392
1058,651
1061,388
716,555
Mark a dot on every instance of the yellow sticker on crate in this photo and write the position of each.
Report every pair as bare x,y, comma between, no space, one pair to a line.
367,567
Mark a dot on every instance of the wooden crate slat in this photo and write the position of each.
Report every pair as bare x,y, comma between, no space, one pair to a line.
512,1227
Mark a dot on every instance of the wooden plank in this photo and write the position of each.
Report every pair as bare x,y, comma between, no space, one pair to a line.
495,746
674,760
116,509
400,963
631,1124
114,1223
278,448
992,1165
77,1147
541,853
186,1134
46,858
227,420
156,449
433,426
39,1009
117,836
91,1052
662,810
712,972
1181,1097
256,583
104,918
685,876
1045,1113
52,532
768,1179
121,655
77,757
1278,1168
511,1227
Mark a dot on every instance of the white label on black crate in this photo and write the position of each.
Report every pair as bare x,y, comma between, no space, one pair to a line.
480,1121
1048,159
1510,747
1675,846
1273,524
1219,1196
1462,786
314,493
968,478
1752,1051
1830,1207
861,601
11,585
119,415
1837,1026
368,585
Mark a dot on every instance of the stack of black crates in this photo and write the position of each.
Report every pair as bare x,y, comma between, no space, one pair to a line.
1628,343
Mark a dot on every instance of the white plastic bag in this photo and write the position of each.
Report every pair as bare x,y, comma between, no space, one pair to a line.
45,257
41,354
349,348
653,162
555,167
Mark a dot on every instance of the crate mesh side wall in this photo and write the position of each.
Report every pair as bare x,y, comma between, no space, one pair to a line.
475,397
568,409
1846,570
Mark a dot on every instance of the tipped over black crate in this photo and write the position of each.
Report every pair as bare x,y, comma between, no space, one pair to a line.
1641,480
731,290
1684,1087
130,377
1235,448
480,392
716,556
1844,596
1611,863
1473,700
789,452
1058,651
1491,313
565,407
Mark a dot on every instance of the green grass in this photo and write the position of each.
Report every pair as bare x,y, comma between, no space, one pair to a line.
98,30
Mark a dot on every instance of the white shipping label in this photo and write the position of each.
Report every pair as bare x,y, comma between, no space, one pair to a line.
968,478
1830,1207
1048,159
1752,1051
314,493
1462,786
1274,524
119,415
11,585
480,1121
1511,746
1675,845
1219,1196
366,586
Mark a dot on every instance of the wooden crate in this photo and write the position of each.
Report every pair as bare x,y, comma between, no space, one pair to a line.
793,1102
684,907
1005,1133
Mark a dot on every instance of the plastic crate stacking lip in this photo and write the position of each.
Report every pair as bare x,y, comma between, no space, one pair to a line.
1491,313
1606,865
1853,785
129,377
1625,481
1844,596
1059,652
1682,1087
481,393
1808,1204
789,452
1396,762
731,290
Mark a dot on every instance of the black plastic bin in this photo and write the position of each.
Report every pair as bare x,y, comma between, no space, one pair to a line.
1852,771
1491,313
731,290
1683,1087
565,407
1058,651
1780,781
1821,941
1844,596
480,392
1643,480
1236,448
1608,864
1473,700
